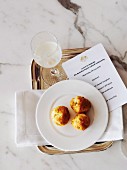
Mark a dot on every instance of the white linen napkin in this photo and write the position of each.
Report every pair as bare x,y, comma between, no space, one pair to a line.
27,133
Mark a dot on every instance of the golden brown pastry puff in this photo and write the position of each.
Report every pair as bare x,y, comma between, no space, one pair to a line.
60,115
80,121
80,104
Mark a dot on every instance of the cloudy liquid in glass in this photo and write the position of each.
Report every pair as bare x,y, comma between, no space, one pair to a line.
48,54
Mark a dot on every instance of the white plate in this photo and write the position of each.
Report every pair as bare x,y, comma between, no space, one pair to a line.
66,137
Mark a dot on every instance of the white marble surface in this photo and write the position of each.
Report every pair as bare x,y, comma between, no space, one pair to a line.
96,21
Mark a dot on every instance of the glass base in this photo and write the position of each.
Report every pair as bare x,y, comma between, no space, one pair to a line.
50,77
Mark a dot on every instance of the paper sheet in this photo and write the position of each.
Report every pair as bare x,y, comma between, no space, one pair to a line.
95,67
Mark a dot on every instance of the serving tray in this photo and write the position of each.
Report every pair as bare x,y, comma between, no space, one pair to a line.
38,83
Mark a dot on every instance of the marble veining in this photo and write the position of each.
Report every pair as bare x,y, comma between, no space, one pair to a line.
75,9
8,151
82,24
75,23
116,60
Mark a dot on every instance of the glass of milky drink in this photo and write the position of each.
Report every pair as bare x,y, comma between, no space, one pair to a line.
47,53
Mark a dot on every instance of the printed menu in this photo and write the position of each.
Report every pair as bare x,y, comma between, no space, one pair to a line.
95,67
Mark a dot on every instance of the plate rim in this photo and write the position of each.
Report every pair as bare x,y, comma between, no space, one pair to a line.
50,88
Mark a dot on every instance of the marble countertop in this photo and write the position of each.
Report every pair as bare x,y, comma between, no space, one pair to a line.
77,23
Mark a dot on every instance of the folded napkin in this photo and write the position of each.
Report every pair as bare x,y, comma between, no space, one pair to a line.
27,133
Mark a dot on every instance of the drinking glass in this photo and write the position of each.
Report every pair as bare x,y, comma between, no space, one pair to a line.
47,53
